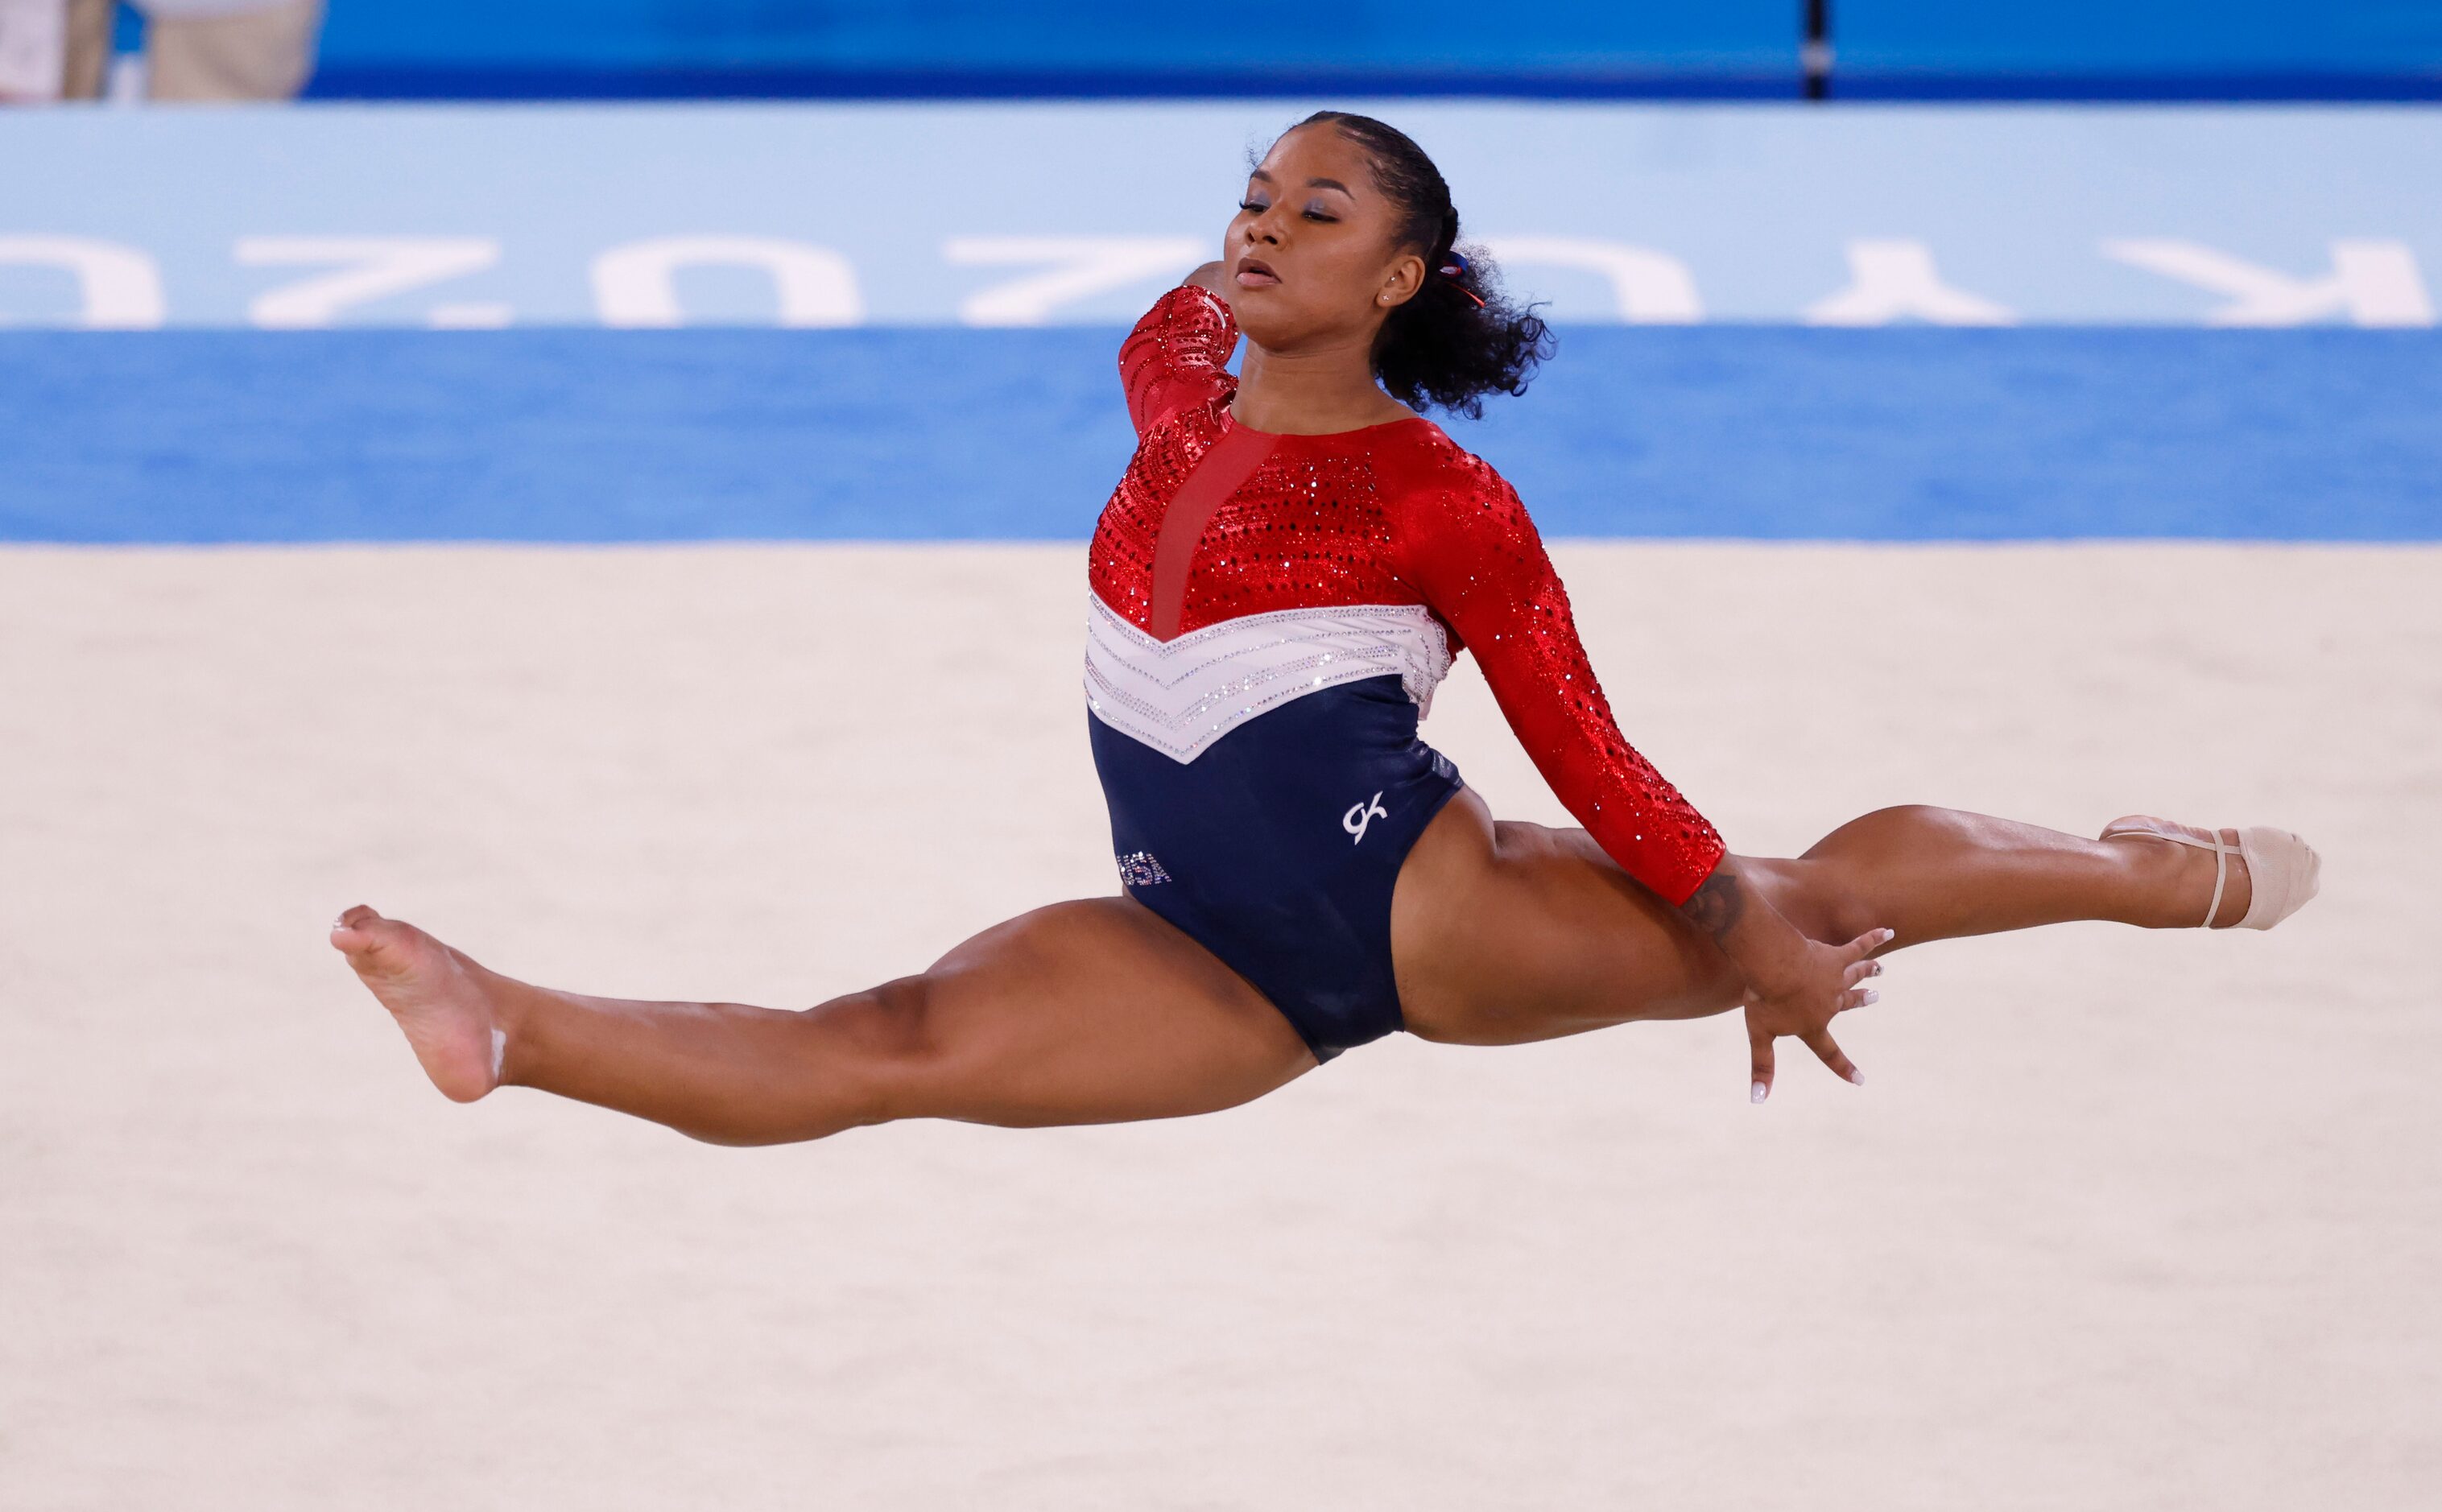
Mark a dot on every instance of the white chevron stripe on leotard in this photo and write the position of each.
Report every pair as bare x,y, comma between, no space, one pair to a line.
1180,695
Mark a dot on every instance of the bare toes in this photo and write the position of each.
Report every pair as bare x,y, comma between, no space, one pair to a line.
379,947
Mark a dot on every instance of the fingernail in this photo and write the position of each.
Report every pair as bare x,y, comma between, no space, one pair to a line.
1874,968
1857,1076
1869,996
1757,1092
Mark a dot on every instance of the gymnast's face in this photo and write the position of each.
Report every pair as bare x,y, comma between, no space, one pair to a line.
1311,258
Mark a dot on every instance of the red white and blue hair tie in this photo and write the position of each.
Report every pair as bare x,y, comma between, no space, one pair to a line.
1455,269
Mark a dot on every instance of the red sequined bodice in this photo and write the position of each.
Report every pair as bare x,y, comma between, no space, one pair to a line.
1393,513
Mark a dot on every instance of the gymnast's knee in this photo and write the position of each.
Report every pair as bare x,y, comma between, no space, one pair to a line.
1821,898
885,1049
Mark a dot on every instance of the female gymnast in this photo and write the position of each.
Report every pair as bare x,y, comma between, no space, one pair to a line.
1284,573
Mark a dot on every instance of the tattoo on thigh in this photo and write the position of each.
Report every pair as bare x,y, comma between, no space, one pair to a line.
1716,907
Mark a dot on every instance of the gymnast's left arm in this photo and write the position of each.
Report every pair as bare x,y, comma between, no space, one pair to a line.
1476,557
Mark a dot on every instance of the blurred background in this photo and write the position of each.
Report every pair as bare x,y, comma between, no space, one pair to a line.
1683,187
607,482
1762,49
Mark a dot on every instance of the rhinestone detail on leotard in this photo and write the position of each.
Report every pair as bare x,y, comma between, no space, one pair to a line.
1138,868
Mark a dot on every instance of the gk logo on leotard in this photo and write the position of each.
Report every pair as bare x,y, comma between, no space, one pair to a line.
1362,814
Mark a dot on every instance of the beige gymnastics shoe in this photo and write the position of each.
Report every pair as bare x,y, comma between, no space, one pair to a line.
2283,872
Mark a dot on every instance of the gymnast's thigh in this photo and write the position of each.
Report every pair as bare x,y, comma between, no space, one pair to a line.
1506,933
1091,1011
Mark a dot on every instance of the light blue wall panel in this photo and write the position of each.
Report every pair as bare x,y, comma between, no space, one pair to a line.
935,214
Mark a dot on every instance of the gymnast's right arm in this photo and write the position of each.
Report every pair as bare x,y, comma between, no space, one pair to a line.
1178,354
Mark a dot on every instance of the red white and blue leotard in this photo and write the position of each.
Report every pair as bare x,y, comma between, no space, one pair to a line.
1269,617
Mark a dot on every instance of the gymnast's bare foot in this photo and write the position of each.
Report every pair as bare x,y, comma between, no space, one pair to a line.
444,1002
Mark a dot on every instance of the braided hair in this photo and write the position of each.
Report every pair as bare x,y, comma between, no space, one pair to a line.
1460,337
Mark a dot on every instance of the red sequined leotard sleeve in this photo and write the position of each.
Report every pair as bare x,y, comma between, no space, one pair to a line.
1392,515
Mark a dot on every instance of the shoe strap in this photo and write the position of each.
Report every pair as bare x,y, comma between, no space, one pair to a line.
2221,848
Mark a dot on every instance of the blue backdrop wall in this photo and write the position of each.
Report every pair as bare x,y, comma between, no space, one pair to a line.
2147,48
1091,46
2152,48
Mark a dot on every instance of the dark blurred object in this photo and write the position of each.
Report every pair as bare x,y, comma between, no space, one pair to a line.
1814,57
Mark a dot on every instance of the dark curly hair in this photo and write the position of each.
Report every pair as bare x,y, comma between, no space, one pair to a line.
1459,339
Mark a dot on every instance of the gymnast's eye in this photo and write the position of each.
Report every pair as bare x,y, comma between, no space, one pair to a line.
1253,205
1316,212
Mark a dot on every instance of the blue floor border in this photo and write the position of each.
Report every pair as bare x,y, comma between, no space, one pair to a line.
910,434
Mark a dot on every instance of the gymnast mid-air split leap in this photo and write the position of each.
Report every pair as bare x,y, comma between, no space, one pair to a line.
1283,574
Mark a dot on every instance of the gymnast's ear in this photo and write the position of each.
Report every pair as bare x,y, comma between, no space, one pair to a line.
1402,282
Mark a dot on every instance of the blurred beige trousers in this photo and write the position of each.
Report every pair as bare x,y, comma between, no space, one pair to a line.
259,54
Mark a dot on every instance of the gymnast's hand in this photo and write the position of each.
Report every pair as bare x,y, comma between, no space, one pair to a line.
1803,1005
1795,986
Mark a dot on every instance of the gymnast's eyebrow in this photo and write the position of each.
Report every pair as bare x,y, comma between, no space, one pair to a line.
1311,183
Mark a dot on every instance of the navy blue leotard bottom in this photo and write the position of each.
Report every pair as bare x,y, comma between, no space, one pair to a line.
1277,849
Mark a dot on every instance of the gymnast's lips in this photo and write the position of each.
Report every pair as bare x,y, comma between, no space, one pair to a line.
1253,273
